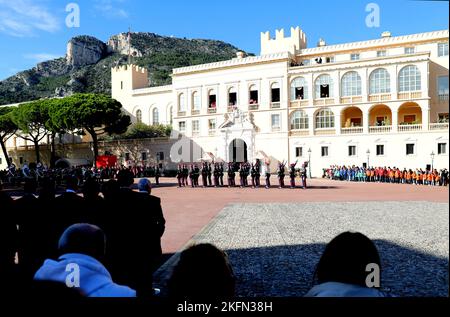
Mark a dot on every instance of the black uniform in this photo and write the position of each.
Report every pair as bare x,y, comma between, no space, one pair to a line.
281,175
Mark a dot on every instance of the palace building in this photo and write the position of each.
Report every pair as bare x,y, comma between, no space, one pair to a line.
381,102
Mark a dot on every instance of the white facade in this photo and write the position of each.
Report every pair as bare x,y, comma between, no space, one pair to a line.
383,102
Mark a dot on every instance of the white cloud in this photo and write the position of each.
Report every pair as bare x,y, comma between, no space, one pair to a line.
41,57
25,17
111,8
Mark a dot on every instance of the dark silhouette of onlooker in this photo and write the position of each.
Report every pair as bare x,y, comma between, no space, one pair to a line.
133,235
8,239
83,245
93,203
341,271
203,271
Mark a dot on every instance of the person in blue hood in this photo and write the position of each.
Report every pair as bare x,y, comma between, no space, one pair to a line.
83,248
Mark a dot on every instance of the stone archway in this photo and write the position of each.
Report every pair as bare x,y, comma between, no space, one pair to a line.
238,151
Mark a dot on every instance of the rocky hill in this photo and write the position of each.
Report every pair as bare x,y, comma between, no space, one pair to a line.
88,61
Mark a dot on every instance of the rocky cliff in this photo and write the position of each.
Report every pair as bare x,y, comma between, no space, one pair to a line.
87,64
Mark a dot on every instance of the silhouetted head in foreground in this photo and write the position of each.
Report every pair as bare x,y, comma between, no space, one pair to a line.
90,189
203,271
84,239
125,178
345,259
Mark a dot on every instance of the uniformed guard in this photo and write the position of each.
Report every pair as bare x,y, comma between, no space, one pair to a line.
253,175
196,175
180,175
216,175
221,174
281,174
191,175
231,175
157,174
267,172
204,173
209,174
292,174
241,175
303,174
258,173
185,175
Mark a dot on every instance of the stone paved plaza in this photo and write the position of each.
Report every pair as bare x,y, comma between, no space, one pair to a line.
274,247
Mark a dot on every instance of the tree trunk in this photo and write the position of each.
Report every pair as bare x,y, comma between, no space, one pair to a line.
36,150
5,152
95,146
52,150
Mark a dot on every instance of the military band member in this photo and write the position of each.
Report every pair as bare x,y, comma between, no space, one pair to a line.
191,175
221,174
180,175
242,175
267,173
303,174
292,174
258,173
281,174
157,174
253,175
196,175
185,175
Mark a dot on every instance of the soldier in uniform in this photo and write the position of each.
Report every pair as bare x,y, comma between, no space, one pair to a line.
267,173
157,175
196,175
180,175
253,175
292,174
185,175
191,175
281,174
303,174
258,173
231,175
216,175
209,173
221,174
241,175
204,174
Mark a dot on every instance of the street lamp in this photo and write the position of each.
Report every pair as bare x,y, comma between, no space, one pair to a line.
368,156
432,160
309,162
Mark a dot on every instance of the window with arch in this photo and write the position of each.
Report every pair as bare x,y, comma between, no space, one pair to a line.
196,105
232,97
351,84
299,120
299,88
253,95
181,103
409,79
139,116
155,116
275,92
379,81
324,119
323,86
212,99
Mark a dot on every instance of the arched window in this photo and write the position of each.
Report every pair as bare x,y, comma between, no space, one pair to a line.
139,116
379,81
196,105
232,97
155,116
351,84
324,86
181,103
275,92
325,119
409,79
299,88
212,98
299,120
254,96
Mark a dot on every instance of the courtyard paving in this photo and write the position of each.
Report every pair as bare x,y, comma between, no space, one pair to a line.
274,247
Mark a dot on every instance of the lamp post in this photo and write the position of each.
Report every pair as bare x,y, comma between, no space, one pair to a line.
432,160
309,162
368,156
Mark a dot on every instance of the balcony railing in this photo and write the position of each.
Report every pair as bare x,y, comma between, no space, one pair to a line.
299,132
352,130
380,129
380,97
253,107
323,101
439,126
409,127
325,131
351,99
275,105
195,112
409,95
212,110
299,103
443,97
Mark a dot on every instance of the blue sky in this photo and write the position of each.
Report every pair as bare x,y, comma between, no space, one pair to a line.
35,30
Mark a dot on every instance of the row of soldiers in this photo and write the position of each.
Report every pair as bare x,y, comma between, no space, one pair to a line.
213,174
